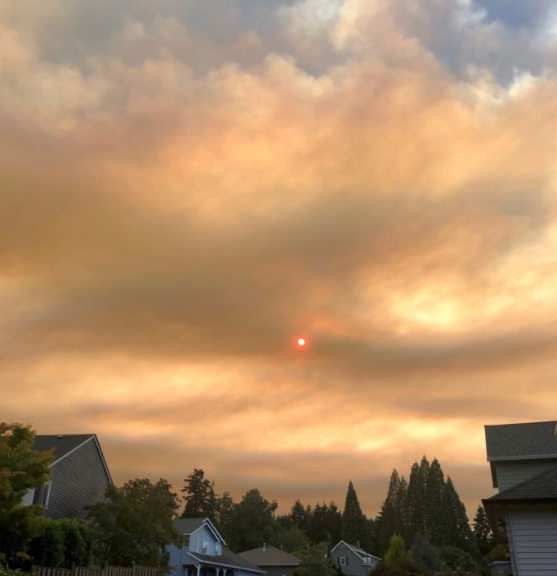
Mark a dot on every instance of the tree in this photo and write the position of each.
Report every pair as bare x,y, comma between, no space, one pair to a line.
482,532
135,525
425,553
21,469
314,562
434,504
416,505
454,521
354,524
391,518
200,496
224,514
78,541
397,550
289,539
254,522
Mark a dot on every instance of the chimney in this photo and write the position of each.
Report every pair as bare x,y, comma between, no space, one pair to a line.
264,546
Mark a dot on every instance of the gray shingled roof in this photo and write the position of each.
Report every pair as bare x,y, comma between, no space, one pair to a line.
227,558
270,556
188,525
521,441
541,487
62,443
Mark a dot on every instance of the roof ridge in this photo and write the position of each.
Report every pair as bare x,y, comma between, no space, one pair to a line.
520,423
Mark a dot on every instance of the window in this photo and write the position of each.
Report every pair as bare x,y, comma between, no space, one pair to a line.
202,547
367,560
343,561
218,549
42,494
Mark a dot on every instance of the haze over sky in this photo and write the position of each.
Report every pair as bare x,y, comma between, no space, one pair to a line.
188,186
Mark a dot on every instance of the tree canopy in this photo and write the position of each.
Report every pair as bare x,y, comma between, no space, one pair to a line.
21,469
135,524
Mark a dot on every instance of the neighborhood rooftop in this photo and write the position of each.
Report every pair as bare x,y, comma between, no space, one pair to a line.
521,441
541,487
270,556
62,444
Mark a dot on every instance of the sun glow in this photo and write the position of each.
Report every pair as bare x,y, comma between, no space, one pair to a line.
301,342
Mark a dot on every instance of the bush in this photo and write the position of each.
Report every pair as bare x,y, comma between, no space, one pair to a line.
47,547
457,560
405,567
425,553
397,550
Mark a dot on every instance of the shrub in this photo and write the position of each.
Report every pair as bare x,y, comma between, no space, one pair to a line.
47,547
457,560
425,553
404,567
397,550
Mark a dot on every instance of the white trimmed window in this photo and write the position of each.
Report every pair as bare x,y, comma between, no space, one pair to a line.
343,561
218,549
202,547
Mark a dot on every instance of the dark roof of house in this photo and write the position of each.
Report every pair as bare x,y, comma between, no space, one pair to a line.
532,440
188,525
62,444
227,558
540,487
270,556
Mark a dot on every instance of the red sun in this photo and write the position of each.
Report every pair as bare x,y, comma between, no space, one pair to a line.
301,342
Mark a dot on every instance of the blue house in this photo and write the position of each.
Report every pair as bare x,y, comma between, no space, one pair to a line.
204,552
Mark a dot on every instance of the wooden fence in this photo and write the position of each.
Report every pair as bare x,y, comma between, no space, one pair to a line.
108,571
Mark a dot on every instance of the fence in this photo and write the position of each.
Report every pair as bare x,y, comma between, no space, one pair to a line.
108,571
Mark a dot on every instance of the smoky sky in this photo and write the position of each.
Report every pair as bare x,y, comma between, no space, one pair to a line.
187,187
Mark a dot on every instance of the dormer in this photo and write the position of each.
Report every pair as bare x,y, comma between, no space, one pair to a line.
201,536
517,452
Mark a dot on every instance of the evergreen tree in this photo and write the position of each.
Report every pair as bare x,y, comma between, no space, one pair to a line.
425,553
300,516
456,529
416,505
315,562
434,504
354,524
397,550
482,532
200,496
391,519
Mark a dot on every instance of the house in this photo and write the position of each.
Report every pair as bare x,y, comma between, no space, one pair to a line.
523,460
352,560
274,561
79,475
204,552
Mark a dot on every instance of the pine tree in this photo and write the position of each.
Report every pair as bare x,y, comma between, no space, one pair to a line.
354,525
435,487
416,500
200,496
456,529
482,532
300,516
391,517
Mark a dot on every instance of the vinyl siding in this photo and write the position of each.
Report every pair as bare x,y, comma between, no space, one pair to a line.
355,566
512,473
534,542
78,480
203,533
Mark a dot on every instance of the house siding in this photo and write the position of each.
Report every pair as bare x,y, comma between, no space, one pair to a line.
534,543
203,533
78,480
355,566
511,473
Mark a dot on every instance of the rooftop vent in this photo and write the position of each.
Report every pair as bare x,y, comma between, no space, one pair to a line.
264,546
60,436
